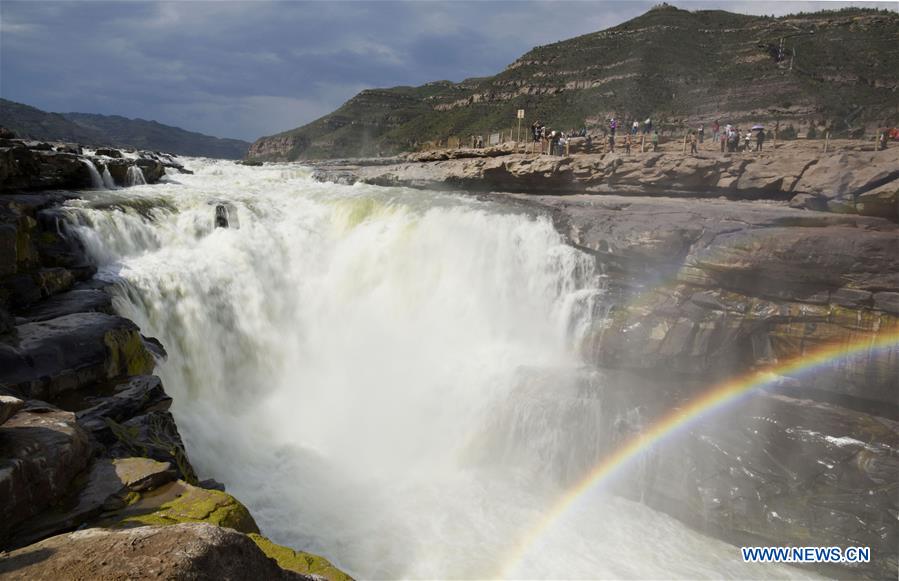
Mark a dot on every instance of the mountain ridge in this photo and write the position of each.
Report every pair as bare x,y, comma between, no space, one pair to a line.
675,66
115,130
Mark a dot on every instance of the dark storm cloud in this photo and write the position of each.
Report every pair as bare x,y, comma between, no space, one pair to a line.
245,69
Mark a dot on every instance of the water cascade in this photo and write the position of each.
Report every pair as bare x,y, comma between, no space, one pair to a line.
135,176
96,180
386,377
108,182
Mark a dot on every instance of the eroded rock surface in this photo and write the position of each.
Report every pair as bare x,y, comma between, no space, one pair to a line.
32,166
8,407
699,287
72,351
41,450
185,551
832,182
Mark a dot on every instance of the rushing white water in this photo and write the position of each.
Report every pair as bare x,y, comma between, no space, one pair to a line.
386,377
108,182
135,176
96,179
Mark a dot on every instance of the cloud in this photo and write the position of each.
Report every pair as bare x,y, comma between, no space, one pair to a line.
247,68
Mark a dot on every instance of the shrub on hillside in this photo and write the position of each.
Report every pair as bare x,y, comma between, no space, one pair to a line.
788,133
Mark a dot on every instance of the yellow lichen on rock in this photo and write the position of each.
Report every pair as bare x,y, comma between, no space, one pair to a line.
299,561
180,502
127,354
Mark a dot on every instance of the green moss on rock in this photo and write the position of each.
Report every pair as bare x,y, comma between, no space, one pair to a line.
299,561
127,354
180,502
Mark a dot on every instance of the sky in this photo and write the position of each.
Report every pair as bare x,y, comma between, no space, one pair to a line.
254,68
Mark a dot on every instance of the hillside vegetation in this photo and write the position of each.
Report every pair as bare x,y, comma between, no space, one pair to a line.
113,130
839,71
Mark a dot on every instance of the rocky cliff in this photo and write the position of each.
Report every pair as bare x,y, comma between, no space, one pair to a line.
844,181
702,290
38,165
95,481
833,71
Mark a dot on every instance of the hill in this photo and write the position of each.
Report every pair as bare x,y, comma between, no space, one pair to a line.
90,129
31,122
152,135
836,69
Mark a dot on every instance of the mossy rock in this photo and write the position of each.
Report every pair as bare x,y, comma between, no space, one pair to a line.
127,354
299,561
180,502
25,252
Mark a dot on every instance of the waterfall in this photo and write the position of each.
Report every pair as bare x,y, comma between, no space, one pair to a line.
388,377
135,176
108,182
96,180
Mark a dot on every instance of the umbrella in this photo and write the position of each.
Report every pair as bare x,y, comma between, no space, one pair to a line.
757,127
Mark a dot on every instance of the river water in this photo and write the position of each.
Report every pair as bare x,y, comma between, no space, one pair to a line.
387,377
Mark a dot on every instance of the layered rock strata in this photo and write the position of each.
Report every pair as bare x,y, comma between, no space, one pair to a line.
701,291
854,182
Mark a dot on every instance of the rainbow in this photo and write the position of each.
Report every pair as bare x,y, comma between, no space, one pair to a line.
679,418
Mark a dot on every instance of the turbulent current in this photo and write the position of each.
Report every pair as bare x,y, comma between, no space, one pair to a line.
386,377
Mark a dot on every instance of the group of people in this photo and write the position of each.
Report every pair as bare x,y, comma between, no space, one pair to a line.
555,142
732,139
632,128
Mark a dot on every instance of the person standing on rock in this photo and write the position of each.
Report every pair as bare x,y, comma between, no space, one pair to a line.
701,133
612,142
655,140
693,149
716,128
647,126
759,139
635,128
627,144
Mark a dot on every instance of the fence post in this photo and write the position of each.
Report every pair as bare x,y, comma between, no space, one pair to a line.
684,148
826,141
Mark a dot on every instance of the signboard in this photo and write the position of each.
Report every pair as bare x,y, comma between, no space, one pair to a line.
521,113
